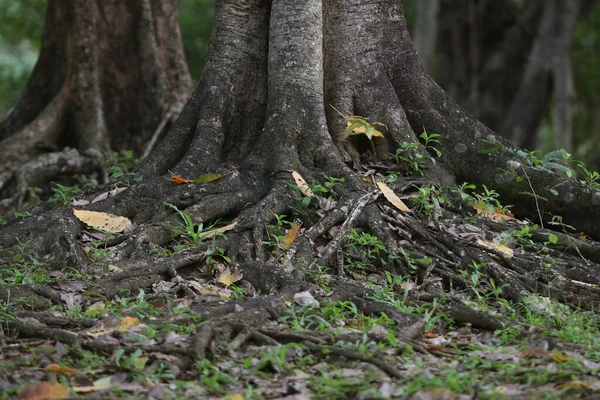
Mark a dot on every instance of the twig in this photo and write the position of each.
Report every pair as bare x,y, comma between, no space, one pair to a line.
535,197
335,243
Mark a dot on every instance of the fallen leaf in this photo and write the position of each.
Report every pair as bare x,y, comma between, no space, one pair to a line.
216,231
533,352
179,180
496,246
392,197
206,178
44,390
559,357
303,298
574,384
497,214
92,389
235,396
127,323
288,240
60,370
228,276
103,221
106,195
302,185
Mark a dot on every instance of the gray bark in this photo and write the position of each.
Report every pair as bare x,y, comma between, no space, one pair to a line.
562,73
531,100
425,31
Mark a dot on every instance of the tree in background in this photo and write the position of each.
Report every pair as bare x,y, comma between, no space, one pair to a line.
110,75
509,64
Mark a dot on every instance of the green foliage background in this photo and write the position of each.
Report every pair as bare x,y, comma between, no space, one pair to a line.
21,24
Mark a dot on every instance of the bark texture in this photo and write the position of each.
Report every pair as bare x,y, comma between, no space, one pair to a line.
110,76
264,109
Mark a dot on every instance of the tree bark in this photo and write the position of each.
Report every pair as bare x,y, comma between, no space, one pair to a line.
265,107
109,74
426,30
562,73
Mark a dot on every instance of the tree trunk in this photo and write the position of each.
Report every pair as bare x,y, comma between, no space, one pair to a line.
281,81
110,75
562,73
426,30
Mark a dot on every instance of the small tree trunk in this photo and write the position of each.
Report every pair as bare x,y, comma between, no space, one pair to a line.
562,73
425,30
110,73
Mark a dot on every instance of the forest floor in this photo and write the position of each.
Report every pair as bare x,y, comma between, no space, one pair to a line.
203,332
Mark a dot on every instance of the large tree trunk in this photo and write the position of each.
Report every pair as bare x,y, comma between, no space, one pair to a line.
265,108
110,76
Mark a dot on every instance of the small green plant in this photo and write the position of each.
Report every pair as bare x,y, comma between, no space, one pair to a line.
193,232
590,178
429,142
362,250
323,192
120,168
320,276
23,214
277,232
524,236
489,200
23,267
429,200
216,254
62,195
413,158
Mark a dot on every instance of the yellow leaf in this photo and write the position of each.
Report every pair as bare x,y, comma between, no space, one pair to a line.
44,390
103,221
559,357
496,246
206,178
127,323
235,396
391,197
214,232
302,185
229,277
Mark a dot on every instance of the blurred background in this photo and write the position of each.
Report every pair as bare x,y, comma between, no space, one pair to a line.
528,69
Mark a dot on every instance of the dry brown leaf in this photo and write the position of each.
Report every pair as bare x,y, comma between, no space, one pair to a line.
302,185
392,197
214,232
497,215
60,370
534,352
44,390
288,240
103,221
176,179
